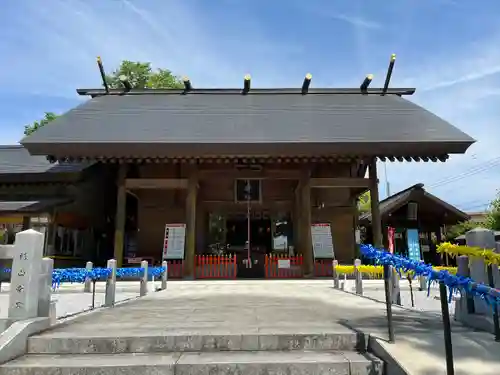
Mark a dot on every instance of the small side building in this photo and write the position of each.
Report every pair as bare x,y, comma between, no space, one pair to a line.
414,208
62,200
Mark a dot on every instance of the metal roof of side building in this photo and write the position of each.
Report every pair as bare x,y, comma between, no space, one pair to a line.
17,165
169,123
394,202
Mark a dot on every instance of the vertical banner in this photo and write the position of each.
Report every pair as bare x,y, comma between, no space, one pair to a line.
413,244
390,235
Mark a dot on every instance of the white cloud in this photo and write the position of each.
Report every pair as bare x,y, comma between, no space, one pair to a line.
356,21
59,41
461,87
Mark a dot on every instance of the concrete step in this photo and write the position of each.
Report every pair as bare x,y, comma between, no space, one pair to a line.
221,363
170,342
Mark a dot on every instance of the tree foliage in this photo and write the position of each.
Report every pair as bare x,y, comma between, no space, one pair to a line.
493,215
139,74
364,202
459,229
48,117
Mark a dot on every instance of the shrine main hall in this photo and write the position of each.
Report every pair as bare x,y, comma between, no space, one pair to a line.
239,168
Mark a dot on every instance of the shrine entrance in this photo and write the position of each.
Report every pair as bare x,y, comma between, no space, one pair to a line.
239,230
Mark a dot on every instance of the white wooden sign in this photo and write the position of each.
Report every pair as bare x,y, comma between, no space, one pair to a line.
322,241
283,263
174,241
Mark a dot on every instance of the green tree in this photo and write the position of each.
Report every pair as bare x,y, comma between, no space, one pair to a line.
140,75
493,215
49,116
461,228
364,202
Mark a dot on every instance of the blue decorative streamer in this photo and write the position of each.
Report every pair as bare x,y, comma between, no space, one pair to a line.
419,268
79,275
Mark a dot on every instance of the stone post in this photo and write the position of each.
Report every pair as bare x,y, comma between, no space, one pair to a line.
336,281
25,277
110,292
358,277
396,289
87,288
423,282
45,287
465,304
144,279
485,239
164,276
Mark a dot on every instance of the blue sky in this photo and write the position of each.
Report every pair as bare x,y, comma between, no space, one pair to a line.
447,49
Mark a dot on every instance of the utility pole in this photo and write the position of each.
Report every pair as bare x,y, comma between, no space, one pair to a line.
387,186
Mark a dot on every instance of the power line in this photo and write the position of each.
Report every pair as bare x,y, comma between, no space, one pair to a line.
476,206
470,172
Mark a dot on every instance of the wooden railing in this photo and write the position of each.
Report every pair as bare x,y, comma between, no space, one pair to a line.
216,267
283,267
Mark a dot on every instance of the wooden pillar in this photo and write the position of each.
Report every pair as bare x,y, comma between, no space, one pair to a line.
192,192
297,221
375,205
26,222
305,230
121,214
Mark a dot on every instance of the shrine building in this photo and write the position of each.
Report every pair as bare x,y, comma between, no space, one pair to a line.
241,169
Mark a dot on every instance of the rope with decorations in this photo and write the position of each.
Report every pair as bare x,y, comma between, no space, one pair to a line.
79,275
453,282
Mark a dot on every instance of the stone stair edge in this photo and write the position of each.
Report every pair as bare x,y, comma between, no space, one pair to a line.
196,343
344,362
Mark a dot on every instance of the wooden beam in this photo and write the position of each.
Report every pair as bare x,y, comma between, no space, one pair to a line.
340,182
156,183
271,174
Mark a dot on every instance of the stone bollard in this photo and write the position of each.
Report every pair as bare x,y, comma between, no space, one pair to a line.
110,293
466,302
144,279
164,276
336,281
396,288
87,288
25,277
485,239
45,287
358,277
423,282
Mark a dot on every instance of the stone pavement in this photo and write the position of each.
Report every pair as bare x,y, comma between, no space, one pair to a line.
286,307
70,299
422,301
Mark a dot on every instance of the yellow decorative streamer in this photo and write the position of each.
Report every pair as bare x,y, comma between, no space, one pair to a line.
489,256
378,271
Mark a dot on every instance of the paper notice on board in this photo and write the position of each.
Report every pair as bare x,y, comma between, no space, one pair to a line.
322,241
174,241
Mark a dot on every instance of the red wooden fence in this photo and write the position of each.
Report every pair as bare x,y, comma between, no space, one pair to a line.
215,267
176,269
323,268
283,267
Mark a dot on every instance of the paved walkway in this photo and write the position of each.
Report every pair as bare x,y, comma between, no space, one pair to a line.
70,299
290,306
